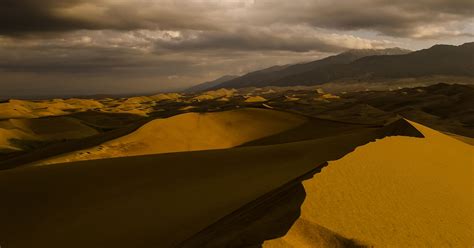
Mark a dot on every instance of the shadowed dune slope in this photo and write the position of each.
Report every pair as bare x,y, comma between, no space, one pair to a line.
156,200
191,132
395,192
16,134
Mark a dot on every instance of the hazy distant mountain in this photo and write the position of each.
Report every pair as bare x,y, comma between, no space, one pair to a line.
210,84
370,65
275,74
437,60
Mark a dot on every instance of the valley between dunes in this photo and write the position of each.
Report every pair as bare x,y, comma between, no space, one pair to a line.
236,178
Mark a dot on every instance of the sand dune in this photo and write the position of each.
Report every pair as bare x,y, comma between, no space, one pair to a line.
142,105
215,94
255,99
159,200
17,134
467,140
190,132
157,98
396,192
55,107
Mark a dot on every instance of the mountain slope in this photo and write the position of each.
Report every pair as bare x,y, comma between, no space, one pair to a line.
210,84
445,60
276,73
437,60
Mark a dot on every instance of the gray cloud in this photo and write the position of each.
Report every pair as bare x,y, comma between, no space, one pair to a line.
153,44
270,38
394,18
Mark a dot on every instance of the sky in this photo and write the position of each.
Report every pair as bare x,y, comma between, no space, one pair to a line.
87,47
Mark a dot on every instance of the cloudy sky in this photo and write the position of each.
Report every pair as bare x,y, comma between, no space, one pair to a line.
54,47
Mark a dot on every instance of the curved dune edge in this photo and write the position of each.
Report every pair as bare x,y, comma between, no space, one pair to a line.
395,192
190,132
161,200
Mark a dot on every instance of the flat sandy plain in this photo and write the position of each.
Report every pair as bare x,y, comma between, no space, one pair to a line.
293,169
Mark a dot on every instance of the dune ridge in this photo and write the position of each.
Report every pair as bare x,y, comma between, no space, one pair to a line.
419,197
190,132
142,201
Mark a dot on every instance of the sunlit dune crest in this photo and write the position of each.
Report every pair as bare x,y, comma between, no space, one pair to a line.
255,99
164,200
34,109
140,105
191,132
215,94
395,192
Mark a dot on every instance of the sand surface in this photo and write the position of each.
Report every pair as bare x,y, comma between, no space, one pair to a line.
255,99
396,192
190,132
156,200
19,134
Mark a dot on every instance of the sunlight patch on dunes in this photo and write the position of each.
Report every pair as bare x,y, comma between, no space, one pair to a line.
142,105
215,94
34,109
191,132
395,192
255,99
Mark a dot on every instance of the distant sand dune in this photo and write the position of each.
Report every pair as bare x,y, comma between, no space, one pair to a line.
18,133
255,99
215,94
396,192
191,132
55,107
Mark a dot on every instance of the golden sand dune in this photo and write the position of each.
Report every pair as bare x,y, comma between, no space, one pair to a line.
156,98
215,94
166,96
42,108
191,132
396,192
17,133
329,96
158,200
255,99
140,105
465,139
34,109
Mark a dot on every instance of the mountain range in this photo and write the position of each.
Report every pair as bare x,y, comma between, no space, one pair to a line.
210,84
359,65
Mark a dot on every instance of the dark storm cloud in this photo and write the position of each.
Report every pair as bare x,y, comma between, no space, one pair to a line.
148,44
19,17
397,18
253,39
90,60
31,15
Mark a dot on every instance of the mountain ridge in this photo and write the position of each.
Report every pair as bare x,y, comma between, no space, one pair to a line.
391,63
289,70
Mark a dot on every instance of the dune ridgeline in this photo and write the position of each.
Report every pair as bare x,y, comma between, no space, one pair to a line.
395,192
236,188
190,132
